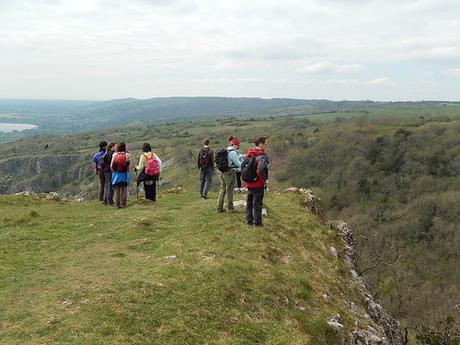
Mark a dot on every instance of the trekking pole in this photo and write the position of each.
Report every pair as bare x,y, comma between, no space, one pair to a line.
137,188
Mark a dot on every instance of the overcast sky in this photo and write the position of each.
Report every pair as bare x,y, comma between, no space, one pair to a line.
334,49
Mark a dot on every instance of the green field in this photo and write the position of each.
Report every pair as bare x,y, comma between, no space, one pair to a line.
175,272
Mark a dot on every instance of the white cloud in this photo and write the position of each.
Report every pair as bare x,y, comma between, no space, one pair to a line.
329,67
118,48
455,72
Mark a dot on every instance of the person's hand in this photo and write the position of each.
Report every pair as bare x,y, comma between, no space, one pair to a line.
135,169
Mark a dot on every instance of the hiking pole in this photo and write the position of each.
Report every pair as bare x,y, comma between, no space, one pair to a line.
137,187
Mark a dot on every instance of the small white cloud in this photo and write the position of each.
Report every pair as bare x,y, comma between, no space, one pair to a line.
454,72
380,81
329,67
384,81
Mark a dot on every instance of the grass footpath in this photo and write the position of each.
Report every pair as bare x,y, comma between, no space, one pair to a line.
175,272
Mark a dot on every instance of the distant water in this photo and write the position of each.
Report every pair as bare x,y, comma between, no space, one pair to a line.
9,127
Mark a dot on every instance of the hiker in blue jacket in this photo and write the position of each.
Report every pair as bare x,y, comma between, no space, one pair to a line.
98,162
228,175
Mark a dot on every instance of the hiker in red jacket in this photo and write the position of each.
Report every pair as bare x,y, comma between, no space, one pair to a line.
254,173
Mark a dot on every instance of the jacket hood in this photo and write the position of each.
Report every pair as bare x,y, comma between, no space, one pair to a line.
255,152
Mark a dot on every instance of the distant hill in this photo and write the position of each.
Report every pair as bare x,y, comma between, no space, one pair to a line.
59,117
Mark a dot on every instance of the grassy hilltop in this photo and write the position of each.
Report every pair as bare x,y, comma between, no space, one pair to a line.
171,273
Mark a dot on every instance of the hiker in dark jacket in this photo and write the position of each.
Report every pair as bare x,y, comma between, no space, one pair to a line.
206,167
256,188
149,174
98,162
108,188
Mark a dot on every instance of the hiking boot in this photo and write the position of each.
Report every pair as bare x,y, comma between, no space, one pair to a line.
220,210
204,196
231,210
249,222
258,224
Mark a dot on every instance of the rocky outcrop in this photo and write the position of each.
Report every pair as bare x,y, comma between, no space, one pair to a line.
43,173
388,331
52,196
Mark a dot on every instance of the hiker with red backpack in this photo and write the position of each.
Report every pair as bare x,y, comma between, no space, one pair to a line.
206,166
150,166
98,162
228,163
120,174
254,173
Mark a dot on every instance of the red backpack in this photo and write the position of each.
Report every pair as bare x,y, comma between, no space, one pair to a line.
152,168
119,162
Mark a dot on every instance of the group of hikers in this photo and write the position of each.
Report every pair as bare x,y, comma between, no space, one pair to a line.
112,164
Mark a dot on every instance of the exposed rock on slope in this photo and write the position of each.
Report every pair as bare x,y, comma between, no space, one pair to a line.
389,330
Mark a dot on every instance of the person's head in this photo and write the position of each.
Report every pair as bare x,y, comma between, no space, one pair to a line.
261,143
110,147
121,147
234,141
206,142
146,147
102,145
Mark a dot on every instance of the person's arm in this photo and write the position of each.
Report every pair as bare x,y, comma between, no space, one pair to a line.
198,160
128,161
160,163
263,168
111,162
141,162
211,152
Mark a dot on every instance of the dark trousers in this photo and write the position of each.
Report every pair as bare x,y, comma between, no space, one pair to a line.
254,205
101,185
108,189
150,188
205,180
238,179
120,193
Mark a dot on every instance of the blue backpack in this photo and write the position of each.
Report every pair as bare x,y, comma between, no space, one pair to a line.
98,159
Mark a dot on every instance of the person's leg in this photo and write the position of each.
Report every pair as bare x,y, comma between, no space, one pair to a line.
124,195
101,186
154,191
250,207
202,180
148,190
258,203
110,194
238,180
220,200
108,183
117,195
230,186
207,182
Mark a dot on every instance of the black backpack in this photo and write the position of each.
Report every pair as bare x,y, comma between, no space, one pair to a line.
222,160
204,158
249,169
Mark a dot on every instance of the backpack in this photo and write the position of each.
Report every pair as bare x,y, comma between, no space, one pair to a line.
152,168
249,169
119,163
204,158
98,159
222,160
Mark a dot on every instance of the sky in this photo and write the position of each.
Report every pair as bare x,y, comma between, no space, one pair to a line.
328,49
